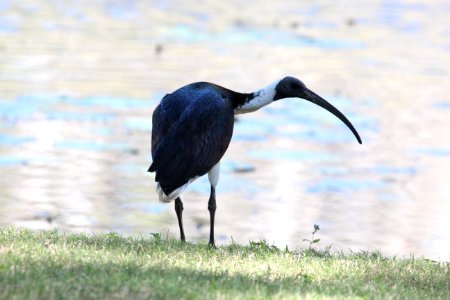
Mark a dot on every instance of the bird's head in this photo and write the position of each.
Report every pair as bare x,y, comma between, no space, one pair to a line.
291,87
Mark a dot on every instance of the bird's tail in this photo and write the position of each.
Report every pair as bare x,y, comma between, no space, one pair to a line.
163,197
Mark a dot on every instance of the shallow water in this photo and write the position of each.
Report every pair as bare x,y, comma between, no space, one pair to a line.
78,84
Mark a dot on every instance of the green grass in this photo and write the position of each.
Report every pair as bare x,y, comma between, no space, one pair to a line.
51,265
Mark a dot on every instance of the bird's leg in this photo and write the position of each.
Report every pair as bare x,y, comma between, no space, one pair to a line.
212,211
179,211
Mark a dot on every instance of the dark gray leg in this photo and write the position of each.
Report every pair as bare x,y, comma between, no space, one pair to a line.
179,211
212,211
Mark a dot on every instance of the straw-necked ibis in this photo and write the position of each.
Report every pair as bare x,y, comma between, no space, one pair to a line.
192,128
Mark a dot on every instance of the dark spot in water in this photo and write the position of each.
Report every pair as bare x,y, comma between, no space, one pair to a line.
243,168
158,49
45,215
239,23
133,151
350,22
390,179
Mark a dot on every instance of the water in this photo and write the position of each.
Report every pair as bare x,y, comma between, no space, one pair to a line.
79,82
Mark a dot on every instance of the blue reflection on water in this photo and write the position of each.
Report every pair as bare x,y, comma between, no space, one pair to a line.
188,34
47,107
5,4
252,129
80,116
344,185
341,185
144,124
391,12
394,170
333,170
323,136
17,109
130,168
441,104
90,145
50,107
9,24
6,160
8,140
434,152
283,154
121,10
102,131
110,102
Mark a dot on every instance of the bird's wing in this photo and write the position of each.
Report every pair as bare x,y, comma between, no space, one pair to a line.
159,129
193,144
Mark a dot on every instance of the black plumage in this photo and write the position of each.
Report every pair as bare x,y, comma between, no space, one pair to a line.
192,129
193,126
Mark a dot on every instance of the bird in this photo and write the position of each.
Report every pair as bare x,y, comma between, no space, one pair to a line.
192,129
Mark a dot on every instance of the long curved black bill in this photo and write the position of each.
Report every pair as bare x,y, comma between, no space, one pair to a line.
316,99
